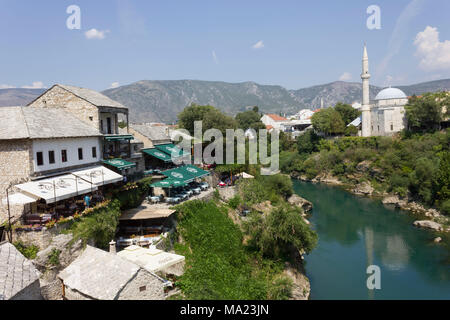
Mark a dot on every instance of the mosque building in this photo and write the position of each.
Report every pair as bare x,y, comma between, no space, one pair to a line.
386,114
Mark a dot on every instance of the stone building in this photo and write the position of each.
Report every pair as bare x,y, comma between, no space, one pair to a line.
100,275
96,110
37,143
386,115
19,279
151,135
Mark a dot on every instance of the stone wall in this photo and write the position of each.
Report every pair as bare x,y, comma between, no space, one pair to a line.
57,97
144,286
15,168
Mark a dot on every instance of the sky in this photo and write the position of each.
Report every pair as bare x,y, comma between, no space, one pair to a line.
295,44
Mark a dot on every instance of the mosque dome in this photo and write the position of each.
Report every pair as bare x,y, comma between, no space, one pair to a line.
390,93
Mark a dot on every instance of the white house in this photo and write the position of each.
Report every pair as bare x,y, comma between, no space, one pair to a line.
273,121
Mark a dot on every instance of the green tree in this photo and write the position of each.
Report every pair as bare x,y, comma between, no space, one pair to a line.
328,121
211,117
308,142
275,234
249,119
424,113
347,112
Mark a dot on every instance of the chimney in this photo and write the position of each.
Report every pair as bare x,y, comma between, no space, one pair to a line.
112,247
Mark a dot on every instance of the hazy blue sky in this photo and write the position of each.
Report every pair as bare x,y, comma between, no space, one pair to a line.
290,43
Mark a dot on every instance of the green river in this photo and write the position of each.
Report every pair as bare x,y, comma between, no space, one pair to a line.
356,232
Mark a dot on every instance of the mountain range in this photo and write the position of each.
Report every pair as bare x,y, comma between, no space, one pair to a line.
161,101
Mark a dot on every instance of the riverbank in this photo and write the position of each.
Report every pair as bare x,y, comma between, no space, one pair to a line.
439,223
355,232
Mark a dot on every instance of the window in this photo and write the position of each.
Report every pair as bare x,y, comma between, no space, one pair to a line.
40,158
392,127
94,152
80,153
64,155
51,157
101,125
91,118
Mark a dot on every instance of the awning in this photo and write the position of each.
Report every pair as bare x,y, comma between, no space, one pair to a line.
120,164
195,171
186,173
172,150
179,174
119,137
158,154
18,198
99,175
56,189
169,183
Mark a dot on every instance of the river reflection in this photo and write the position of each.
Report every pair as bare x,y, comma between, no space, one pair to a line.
356,232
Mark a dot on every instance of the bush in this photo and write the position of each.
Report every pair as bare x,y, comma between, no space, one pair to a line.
100,226
276,234
133,194
53,257
234,202
217,266
29,252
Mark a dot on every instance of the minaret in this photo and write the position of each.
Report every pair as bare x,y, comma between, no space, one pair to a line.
365,108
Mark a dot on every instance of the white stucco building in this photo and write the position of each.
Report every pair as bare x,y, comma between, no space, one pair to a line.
386,115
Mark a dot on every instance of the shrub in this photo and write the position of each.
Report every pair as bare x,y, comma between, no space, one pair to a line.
276,234
100,226
29,252
53,257
234,202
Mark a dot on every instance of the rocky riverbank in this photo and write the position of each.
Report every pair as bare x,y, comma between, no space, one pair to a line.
301,287
433,218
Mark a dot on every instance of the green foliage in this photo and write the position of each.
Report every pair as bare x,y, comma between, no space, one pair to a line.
100,226
249,120
413,164
281,289
29,252
307,143
274,188
424,114
122,124
234,202
53,257
328,121
275,234
347,112
133,194
211,117
351,131
217,265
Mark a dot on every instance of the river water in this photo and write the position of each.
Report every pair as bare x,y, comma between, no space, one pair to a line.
356,232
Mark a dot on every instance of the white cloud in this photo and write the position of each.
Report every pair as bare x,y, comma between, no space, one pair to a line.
216,60
258,45
114,85
346,76
6,86
35,85
434,54
95,34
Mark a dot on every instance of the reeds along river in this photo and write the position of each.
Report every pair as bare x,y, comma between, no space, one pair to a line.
356,232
